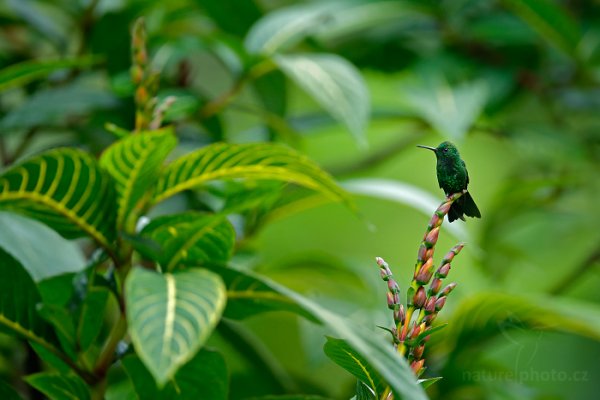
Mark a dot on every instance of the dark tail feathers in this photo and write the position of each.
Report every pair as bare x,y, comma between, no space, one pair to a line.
465,205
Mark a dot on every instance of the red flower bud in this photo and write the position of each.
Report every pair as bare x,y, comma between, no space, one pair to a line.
417,352
421,256
393,286
390,300
399,315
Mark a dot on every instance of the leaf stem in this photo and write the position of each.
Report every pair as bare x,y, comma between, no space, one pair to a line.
107,354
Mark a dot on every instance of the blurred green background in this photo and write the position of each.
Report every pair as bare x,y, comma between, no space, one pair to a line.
514,83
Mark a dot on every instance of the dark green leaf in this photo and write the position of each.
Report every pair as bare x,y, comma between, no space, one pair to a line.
429,381
231,15
170,316
91,319
346,357
191,239
7,392
63,324
203,377
60,387
551,21
18,300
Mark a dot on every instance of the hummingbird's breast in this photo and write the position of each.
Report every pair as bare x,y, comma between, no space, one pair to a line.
452,175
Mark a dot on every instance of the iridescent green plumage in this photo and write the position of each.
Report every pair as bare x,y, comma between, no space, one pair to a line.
453,178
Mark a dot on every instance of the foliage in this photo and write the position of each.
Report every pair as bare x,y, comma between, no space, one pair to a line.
189,214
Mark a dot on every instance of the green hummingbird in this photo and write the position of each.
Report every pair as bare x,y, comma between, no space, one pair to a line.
453,178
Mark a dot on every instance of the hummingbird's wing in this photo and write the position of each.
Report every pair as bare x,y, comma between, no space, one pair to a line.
467,172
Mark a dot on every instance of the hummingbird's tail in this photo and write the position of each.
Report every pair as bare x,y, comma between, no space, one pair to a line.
464,205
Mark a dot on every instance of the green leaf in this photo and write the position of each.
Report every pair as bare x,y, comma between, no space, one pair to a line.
346,357
333,83
249,161
551,21
488,314
134,164
57,106
363,392
191,239
451,110
60,387
377,352
91,319
203,377
41,251
65,189
18,300
233,16
286,27
247,296
63,324
171,316
29,71
429,381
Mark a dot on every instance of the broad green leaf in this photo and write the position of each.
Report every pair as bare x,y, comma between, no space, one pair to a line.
346,357
41,251
134,163
171,316
403,193
65,189
333,83
29,71
250,161
376,351
58,105
59,386
203,377
287,26
551,21
91,319
363,392
191,239
487,314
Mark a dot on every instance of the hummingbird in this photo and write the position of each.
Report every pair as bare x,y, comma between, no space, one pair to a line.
453,178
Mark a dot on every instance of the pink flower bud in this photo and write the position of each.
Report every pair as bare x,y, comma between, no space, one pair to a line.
393,286
390,300
435,286
443,208
425,272
442,271
421,256
419,297
380,262
432,237
428,319
447,290
430,305
439,304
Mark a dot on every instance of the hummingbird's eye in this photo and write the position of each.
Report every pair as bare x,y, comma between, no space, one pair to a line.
445,150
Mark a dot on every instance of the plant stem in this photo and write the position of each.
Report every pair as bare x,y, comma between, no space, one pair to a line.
108,351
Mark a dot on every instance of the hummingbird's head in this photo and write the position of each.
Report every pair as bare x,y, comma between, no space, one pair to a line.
445,149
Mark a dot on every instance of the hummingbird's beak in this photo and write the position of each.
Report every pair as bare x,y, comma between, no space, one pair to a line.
427,147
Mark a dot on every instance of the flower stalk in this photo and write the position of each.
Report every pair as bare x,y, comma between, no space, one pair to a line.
425,297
